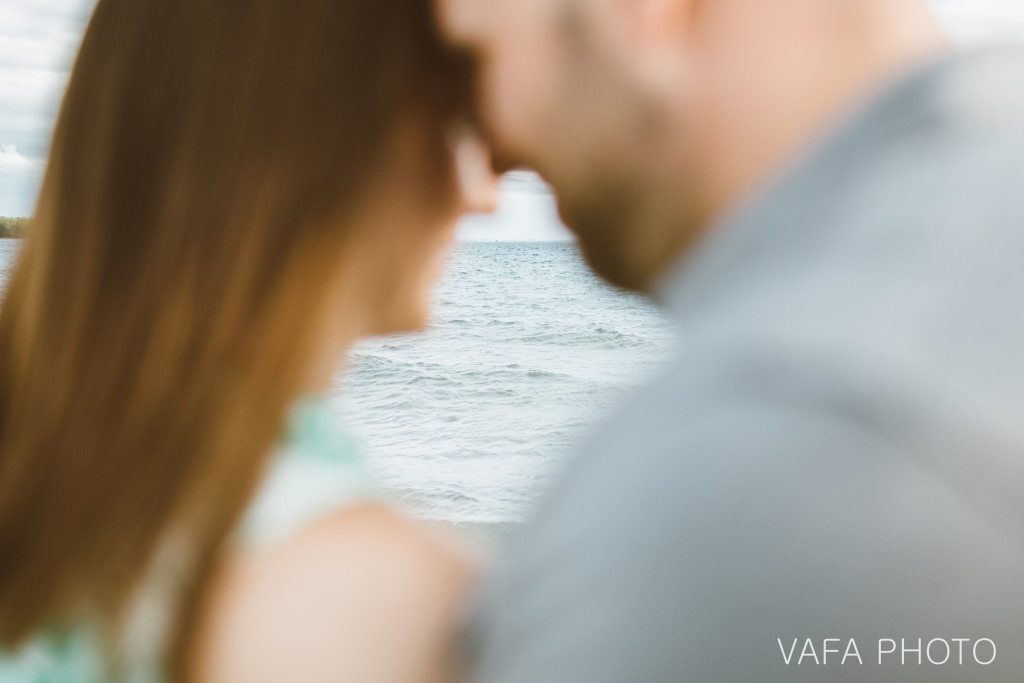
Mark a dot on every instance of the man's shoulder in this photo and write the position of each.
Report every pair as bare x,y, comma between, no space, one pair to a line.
979,85
704,415
732,481
784,412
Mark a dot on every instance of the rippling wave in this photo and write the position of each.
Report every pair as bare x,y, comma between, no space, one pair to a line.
527,349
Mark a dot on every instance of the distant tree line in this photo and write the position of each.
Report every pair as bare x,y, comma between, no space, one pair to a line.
13,227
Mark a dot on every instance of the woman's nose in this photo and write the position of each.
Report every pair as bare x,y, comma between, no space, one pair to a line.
478,184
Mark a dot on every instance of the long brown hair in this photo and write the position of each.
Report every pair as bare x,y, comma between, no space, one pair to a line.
162,314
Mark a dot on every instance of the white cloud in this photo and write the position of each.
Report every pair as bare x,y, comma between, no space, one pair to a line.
19,181
12,161
38,41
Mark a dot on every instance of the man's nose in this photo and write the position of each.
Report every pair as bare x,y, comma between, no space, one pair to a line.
478,183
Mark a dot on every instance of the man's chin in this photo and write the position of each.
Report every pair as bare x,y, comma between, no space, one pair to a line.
605,245
612,267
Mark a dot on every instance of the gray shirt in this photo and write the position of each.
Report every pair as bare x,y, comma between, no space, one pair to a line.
837,449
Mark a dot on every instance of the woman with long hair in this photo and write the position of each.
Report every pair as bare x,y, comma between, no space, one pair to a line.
236,191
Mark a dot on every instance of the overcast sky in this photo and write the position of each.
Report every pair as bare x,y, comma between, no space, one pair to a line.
38,39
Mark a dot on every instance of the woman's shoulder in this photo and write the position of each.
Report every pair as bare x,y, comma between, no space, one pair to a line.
326,581
361,594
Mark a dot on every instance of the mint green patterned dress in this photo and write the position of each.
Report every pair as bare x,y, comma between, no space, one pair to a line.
317,470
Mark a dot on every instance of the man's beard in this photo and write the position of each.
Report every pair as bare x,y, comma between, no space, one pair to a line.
602,216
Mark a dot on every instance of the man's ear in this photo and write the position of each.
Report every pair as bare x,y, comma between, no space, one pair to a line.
660,20
659,34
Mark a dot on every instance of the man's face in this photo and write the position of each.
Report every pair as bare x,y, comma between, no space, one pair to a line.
556,96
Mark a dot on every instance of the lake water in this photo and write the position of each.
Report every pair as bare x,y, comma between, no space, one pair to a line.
526,351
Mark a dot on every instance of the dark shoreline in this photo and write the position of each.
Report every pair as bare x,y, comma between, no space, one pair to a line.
14,227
